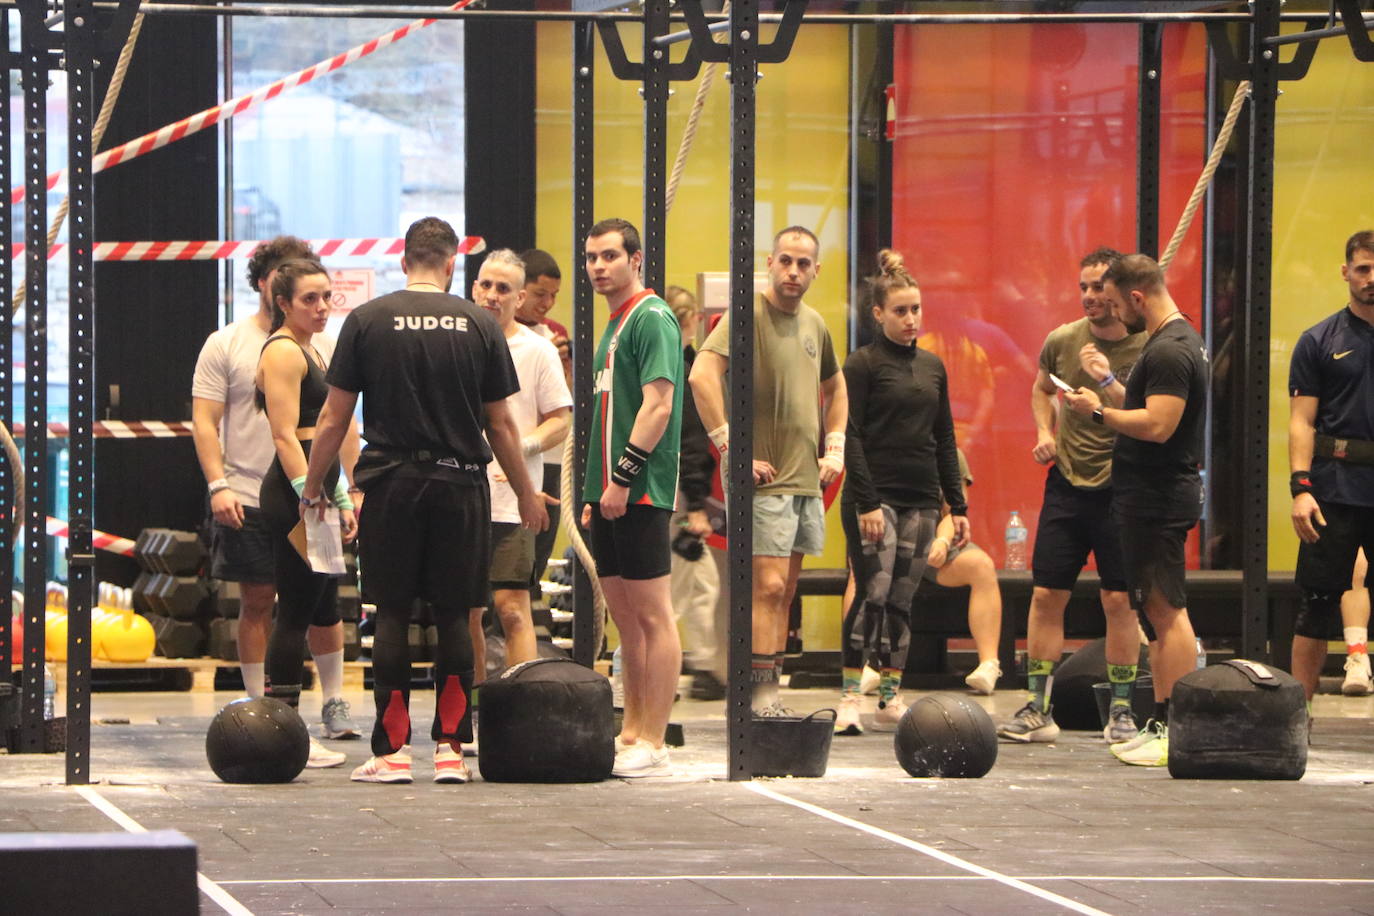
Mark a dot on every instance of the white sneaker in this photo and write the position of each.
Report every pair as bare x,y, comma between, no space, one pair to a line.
641,759
1153,752
449,765
1357,680
888,715
387,768
983,679
847,720
869,681
321,757
1144,736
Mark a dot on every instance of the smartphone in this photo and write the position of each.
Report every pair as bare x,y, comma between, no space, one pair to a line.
1060,383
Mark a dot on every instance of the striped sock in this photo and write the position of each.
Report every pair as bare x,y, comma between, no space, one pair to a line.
1040,678
1356,640
1123,683
850,682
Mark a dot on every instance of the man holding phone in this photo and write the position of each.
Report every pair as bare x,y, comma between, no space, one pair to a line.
1097,352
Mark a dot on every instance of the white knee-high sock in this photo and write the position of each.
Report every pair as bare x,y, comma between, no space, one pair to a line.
330,668
254,678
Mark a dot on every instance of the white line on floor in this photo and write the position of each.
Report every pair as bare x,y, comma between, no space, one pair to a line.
534,879
1016,883
209,888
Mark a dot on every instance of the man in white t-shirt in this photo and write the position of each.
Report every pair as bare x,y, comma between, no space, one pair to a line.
234,445
543,281
542,410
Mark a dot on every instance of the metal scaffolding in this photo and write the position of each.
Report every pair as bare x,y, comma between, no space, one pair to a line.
71,41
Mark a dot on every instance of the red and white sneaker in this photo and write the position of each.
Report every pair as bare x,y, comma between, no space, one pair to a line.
449,765
386,768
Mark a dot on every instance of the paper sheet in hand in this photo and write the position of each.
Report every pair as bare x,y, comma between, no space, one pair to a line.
1060,383
319,542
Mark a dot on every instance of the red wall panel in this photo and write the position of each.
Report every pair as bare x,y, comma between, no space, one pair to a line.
1014,156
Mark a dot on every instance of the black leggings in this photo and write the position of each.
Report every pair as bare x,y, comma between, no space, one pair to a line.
391,672
877,623
304,598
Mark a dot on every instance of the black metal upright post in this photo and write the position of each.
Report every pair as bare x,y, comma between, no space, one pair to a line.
585,629
655,143
871,56
8,478
79,29
1147,147
744,39
37,61
1254,419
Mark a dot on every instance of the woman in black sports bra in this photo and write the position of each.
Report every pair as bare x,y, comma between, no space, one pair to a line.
292,389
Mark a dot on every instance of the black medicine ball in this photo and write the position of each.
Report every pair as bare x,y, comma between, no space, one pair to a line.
946,735
257,740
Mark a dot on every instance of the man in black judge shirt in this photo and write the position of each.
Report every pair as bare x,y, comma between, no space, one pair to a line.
1158,490
435,372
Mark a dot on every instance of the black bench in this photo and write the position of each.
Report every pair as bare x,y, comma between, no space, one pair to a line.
940,613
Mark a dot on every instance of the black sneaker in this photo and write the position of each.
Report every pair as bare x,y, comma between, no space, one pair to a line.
706,686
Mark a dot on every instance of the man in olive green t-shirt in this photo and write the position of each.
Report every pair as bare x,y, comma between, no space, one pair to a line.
794,370
1095,351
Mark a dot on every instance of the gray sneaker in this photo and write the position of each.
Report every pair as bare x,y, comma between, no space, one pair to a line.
1030,724
338,719
1120,725
776,711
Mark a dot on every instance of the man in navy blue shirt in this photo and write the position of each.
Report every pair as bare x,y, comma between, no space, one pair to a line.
1331,456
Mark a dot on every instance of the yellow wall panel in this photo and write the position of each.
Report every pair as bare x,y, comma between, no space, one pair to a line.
802,178
1321,196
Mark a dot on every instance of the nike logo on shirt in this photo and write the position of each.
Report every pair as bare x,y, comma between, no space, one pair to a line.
1341,355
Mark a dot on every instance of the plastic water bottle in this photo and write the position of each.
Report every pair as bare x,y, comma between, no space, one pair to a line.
617,685
49,694
1201,655
1017,536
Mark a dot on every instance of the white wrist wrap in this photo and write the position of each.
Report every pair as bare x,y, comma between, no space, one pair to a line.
834,445
720,437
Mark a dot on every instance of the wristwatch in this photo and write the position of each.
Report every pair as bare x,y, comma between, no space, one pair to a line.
1097,416
311,503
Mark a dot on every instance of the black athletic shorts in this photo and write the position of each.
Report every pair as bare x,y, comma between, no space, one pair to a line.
1327,565
634,546
1073,523
1153,551
243,554
425,538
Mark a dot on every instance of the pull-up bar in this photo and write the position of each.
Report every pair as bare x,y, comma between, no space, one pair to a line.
346,11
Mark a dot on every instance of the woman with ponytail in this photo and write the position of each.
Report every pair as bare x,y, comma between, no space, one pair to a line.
292,389
901,464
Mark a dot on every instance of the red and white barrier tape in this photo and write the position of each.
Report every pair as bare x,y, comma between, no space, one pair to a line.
219,251
119,429
102,541
225,110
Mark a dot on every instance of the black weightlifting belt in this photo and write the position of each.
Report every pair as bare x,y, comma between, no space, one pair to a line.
422,456
1354,451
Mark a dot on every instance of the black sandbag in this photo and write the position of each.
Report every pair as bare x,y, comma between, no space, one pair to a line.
546,720
1238,720
1075,704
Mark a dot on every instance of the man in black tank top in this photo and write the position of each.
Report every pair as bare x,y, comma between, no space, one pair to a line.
1157,488
434,371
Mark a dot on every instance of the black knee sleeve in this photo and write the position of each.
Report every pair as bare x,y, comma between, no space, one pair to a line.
1319,615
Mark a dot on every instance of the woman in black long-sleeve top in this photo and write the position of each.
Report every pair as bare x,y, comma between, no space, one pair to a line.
901,463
